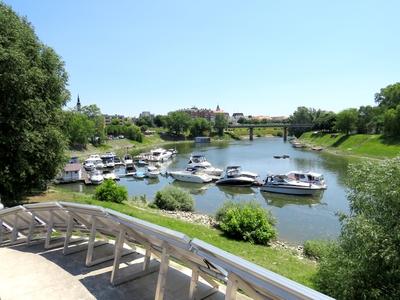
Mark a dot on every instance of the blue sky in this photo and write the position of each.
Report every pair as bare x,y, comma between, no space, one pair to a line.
256,57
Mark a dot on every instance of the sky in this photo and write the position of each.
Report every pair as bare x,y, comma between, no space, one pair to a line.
255,57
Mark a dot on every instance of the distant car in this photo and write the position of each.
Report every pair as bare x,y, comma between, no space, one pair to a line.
121,137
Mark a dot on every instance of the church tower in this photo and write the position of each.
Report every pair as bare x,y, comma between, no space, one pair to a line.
78,104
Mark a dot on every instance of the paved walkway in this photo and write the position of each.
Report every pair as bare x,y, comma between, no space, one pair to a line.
35,273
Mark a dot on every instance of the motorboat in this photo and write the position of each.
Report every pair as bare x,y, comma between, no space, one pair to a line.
173,151
151,172
139,175
283,185
235,176
206,170
159,154
142,162
117,161
108,155
94,161
297,144
190,176
96,177
198,160
109,162
308,177
107,174
129,166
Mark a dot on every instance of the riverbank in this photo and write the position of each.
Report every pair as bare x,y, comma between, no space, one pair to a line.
278,257
357,145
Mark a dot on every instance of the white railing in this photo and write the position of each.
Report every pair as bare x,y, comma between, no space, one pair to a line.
32,222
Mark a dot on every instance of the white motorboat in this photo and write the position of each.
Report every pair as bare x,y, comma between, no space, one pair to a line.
128,159
151,172
206,170
198,160
189,176
283,185
96,177
235,176
173,151
110,175
308,177
159,154
129,166
94,161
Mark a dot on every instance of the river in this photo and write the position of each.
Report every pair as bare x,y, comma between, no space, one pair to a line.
298,218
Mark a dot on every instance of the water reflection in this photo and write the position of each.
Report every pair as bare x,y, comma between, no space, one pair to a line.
192,188
279,200
231,191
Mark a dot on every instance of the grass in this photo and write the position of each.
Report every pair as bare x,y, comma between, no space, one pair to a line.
267,131
368,145
277,260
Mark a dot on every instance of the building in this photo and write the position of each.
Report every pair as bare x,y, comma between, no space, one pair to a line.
78,104
71,173
109,118
195,112
236,117
145,114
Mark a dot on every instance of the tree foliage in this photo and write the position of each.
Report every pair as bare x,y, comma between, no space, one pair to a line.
109,190
365,263
32,92
246,221
346,120
389,97
199,127
78,128
178,122
220,124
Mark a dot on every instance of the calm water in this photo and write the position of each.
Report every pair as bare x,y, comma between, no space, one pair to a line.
298,218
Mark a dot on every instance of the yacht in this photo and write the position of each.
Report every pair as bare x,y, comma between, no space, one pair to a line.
206,170
159,154
94,161
129,166
198,160
107,174
190,176
283,185
308,177
151,172
96,177
139,175
235,176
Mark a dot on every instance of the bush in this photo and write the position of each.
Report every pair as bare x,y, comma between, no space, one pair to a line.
317,249
110,191
173,198
246,221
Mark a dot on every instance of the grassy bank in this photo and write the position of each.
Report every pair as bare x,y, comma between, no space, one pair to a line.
367,145
281,261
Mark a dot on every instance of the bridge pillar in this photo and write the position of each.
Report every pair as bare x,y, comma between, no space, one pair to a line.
251,133
285,130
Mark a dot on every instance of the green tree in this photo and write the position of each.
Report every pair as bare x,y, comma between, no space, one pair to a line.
32,92
325,121
346,120
178,122
199,127
78,128
133,133
392,122
365,262
220,123
145,121
111,191
389,97
302,115
160,121
93,113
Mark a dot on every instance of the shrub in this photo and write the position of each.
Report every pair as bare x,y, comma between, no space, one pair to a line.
317,249
246,221
110,191
173,198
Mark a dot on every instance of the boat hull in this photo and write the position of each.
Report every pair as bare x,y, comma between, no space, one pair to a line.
234,182
290,190
191,177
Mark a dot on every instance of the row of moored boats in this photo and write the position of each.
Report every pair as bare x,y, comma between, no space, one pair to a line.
199,170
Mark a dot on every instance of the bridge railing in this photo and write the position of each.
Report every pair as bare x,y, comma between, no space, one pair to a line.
40,221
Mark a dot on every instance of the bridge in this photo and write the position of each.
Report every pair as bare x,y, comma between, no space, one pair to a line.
285,127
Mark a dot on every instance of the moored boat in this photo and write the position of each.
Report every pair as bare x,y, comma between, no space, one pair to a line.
96,177
198,160
283,185
308,177
235,176
151,172
189,176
